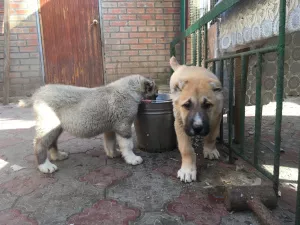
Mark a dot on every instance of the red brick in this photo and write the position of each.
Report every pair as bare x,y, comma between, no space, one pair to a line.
21,11
127,17
28,49
111,65
146,17
27,36
154,10
110,17
146,28
172,22
140,70
164,40
112,41
148,64
163,52
156,34
18,5
145,4
134,35
109,4
172,10
135,11
120,59
147,52
130,65
164,28
119,47
119,35
126,4
147,40
155,22
129,41
117,11
128,29
164,17
139,46
137,23
156,58
130,52
163,4
138,58
118,23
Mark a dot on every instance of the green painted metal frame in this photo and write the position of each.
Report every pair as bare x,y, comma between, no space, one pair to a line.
280,49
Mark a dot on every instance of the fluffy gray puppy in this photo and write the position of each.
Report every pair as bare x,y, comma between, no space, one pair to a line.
85,113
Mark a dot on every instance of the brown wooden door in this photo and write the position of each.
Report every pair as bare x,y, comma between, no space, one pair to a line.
72,46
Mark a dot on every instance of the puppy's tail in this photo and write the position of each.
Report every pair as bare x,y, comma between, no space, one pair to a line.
25,103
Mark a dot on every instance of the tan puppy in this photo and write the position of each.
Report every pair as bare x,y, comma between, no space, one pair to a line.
197,102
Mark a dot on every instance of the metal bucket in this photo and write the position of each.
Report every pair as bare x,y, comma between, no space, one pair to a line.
154,125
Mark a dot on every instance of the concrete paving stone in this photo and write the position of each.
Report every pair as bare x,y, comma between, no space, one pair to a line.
14,217
109,212
239,219
196,208
148,191
24,185
160,218
81,145
105,176
7,200
55,203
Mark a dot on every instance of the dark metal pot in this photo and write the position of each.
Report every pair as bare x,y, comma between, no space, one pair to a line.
154,125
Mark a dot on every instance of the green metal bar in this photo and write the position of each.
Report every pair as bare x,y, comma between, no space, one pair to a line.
200,47
182,29
258,110
279,92
222,82
235,150
213,68
252,52
216,11
194,43
298,197
242,111
205,46
230,115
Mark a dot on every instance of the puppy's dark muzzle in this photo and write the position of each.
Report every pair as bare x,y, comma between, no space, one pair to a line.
197,130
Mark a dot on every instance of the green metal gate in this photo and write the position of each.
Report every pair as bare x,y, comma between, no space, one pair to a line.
200,27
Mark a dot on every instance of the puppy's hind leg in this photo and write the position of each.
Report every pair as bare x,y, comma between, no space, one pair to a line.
124,138
56,155
42,143
110,144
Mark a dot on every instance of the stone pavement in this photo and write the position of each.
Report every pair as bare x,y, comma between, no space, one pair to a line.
91,189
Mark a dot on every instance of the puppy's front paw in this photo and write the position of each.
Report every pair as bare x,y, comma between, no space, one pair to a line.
133,159
47,167
113,154
211,154
59,155
187,174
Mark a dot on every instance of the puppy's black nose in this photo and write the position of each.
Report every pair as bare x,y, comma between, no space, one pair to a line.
197,128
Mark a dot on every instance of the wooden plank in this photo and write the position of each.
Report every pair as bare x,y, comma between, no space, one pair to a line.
6,53
72,46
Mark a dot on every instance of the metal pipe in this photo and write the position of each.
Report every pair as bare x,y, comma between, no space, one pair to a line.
279,92
230,116
258,109
242,109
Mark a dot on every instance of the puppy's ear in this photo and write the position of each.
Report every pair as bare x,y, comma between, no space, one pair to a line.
177,88
216,85
174,63
148,85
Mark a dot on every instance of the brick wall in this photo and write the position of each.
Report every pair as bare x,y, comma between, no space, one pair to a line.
25,69
137,35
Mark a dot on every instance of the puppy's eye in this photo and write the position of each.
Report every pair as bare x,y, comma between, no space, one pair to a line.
207,105
187,105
